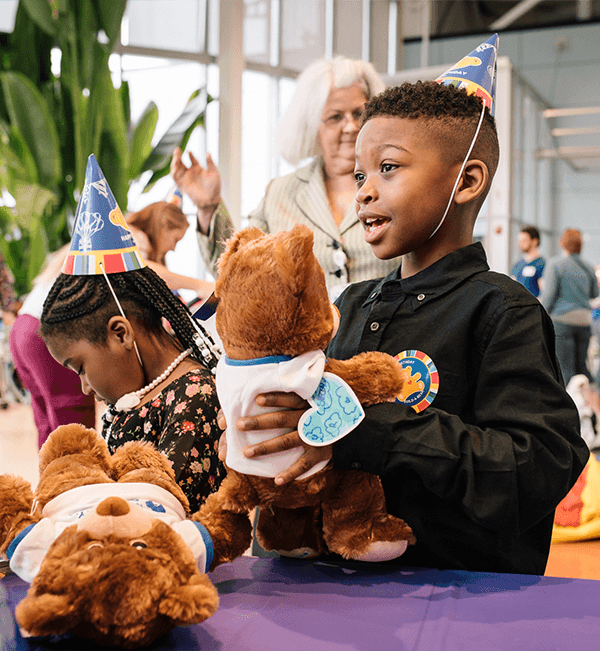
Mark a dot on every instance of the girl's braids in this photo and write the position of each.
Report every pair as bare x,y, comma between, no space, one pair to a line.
79,307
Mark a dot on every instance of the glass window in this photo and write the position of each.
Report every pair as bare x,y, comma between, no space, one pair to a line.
259,114
8,12
348,28
287,87
257,19
303,32
168,83
167,25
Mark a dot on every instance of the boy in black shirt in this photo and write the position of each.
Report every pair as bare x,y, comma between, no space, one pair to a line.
486,441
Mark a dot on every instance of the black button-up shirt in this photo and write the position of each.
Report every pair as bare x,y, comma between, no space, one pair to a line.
478,473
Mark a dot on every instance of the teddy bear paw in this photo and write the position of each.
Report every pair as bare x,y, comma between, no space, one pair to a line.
381,551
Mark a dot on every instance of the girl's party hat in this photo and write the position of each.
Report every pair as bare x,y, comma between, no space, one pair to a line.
102,242
476,72
175,197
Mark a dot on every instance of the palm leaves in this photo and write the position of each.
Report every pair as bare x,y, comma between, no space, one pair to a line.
50,123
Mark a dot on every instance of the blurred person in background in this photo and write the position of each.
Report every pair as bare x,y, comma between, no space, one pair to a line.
530,268
570,284
56,396
157,229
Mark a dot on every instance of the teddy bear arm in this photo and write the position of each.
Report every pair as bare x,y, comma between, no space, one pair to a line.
191,603
374,377
230,530
46,614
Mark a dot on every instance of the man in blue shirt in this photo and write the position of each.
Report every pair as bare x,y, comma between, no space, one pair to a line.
528,271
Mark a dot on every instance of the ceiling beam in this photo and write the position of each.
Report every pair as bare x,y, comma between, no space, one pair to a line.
514,14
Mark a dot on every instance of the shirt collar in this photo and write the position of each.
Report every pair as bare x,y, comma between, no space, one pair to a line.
257,361
437,279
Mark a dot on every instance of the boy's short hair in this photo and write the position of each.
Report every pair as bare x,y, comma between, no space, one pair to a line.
448,113
532,231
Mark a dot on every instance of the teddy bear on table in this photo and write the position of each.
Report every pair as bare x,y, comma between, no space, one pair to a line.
108,545
275,319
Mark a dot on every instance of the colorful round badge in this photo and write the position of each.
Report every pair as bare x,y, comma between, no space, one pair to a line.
423,381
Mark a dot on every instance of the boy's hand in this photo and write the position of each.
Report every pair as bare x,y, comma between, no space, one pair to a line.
222,449
294,407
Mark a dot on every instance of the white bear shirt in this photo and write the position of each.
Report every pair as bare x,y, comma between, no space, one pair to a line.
28,549
240,381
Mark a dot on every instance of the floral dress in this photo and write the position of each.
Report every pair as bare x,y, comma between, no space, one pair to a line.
181,421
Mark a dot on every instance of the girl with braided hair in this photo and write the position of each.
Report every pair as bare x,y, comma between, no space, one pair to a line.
106,318
176,403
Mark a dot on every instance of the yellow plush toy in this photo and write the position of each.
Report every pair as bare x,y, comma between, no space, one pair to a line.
275,319
108,545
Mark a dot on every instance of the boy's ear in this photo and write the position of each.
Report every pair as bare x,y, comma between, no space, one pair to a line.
120,331
473,183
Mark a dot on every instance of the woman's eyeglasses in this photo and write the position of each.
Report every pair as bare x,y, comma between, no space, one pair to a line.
341,119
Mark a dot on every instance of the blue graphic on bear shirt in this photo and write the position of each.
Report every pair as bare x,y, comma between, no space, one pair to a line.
335,412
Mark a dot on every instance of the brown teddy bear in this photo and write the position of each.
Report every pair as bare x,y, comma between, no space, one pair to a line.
107,544
275,319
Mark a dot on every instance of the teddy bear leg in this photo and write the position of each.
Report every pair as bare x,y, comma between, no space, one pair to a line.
291,532
74,440
356,524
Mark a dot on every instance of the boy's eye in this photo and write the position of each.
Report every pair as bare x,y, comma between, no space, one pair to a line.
359,176
388,167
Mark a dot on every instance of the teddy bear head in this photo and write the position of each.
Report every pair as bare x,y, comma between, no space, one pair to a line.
118,577
272,295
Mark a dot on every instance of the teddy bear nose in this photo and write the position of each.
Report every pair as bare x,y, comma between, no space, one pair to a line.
113,506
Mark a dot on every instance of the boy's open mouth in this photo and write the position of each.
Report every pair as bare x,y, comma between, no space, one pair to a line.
371,224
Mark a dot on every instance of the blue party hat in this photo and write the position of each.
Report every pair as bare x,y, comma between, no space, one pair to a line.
175,197
476,72
102,241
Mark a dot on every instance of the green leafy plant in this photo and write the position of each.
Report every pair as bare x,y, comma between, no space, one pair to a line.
50,124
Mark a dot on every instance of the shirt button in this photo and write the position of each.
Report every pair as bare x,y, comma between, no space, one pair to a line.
420,297
356,465
374,326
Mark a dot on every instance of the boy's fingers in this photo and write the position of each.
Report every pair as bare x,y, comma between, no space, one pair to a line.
221,422
271,420
281,399
310,458
222,449
291,473
278,444
193,158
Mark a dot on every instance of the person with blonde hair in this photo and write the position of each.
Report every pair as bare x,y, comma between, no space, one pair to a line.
157,229
318,131
569,285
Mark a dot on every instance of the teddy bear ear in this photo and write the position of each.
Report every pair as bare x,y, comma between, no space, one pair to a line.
293,259
46,614
235,242
191,603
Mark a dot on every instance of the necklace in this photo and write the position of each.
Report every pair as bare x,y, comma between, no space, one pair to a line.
133,399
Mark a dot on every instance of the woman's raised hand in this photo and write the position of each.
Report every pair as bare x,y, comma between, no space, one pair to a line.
201,184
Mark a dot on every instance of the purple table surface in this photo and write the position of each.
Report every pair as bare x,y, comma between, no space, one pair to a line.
288,605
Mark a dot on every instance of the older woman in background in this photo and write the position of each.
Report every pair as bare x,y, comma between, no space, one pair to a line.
569,285
321,124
